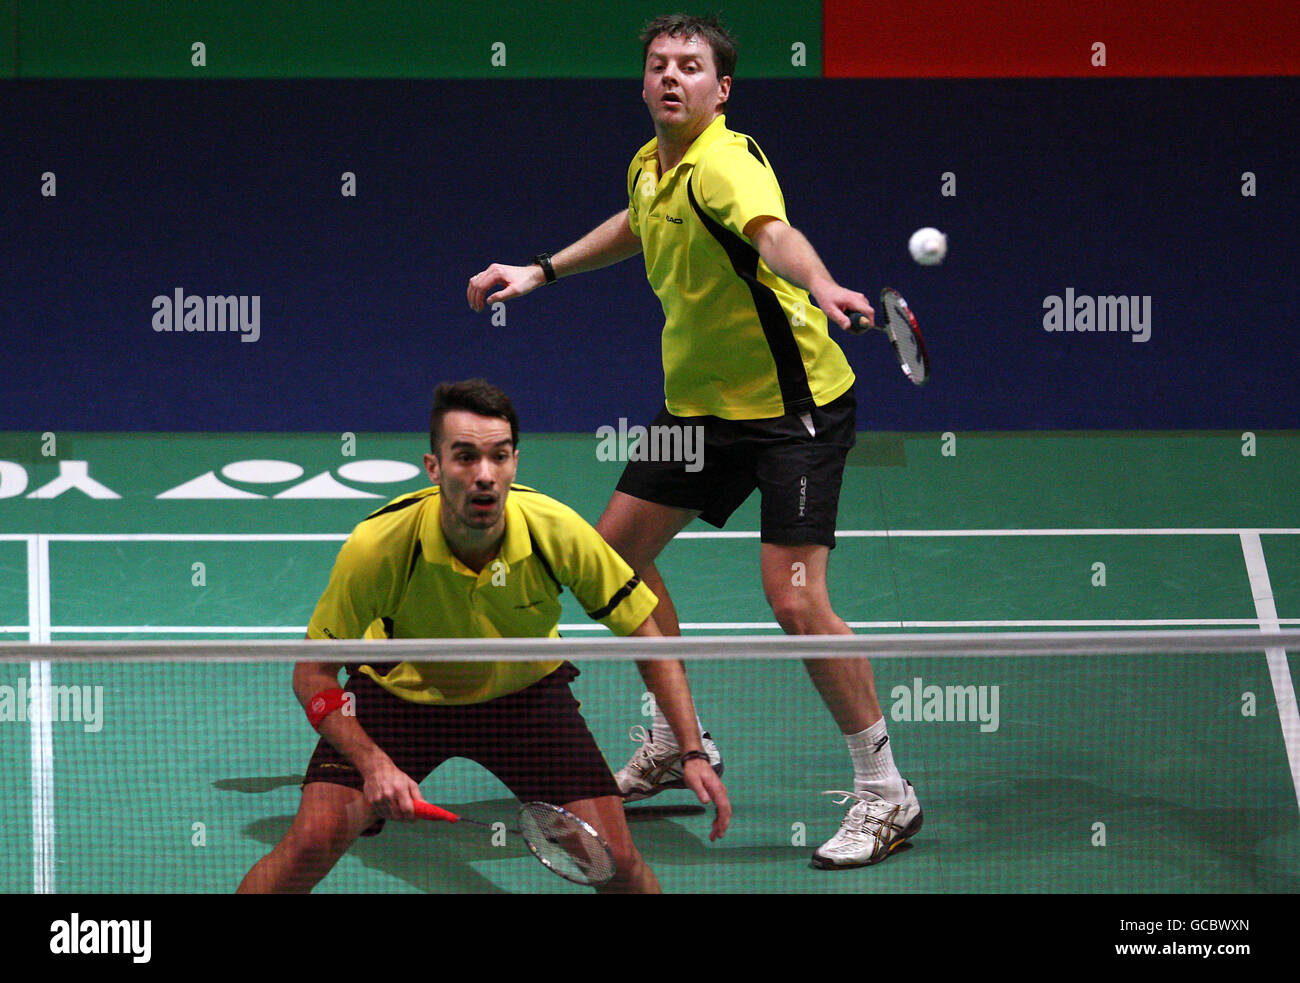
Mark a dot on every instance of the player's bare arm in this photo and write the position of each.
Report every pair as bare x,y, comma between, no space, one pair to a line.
608,243
389,790
666,679
791,256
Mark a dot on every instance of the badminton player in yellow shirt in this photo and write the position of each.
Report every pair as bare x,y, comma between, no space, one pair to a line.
477,556
749,359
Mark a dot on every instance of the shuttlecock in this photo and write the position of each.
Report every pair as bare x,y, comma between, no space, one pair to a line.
928,246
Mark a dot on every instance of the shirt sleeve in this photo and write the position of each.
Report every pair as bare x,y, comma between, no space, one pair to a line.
737,187
357,594
601,580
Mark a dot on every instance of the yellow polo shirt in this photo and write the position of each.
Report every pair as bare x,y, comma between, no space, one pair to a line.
739,342
395,577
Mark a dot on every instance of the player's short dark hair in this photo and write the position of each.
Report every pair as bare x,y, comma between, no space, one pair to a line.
687,26
475,395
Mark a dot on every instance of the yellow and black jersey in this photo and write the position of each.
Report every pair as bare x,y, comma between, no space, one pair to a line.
739,342
396,577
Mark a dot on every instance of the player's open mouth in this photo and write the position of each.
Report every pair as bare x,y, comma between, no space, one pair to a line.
483,502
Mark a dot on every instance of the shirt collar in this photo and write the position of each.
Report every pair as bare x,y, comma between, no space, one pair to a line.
708,136
516,545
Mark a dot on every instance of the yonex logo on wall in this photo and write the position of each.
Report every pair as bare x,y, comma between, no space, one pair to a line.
273,472
239,480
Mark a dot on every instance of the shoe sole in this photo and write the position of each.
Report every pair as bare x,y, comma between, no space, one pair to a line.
664,787
911,830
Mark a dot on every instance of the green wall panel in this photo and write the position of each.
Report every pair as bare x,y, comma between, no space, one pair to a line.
383,39
8,38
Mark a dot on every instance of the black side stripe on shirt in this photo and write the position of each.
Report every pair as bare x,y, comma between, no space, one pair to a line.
791,376
616,600
753,149
546,564
388,628
396,506
415,557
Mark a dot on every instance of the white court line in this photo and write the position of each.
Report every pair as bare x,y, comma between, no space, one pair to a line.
176,629
197,537
42,734
1163,531
1024,623
706,626
953,533
1278,670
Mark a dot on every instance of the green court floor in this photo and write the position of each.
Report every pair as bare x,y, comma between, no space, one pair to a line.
1086,774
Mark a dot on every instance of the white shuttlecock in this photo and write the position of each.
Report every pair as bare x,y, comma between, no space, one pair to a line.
928,246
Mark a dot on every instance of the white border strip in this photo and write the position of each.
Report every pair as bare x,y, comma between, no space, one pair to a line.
42,734
1278,670
257,537
732,647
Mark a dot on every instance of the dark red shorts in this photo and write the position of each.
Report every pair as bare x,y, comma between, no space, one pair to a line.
535,741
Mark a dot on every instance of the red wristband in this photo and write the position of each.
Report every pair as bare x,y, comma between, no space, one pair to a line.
323,704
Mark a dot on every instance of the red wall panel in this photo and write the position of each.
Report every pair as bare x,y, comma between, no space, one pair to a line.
1013,38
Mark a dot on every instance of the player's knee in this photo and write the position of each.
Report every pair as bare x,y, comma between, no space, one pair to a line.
797,612
318,837
629,867
310,853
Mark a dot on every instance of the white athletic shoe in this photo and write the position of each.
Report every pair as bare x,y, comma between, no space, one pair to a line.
655,766
872,830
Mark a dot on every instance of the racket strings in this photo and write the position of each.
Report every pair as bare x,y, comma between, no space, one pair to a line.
898,325
565,844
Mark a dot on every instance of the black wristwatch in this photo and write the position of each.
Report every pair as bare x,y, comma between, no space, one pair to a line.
544,261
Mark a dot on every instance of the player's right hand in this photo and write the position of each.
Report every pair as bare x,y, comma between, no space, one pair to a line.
515,281
838,302
390,791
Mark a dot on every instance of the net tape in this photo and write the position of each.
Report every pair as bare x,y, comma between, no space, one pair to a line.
875,646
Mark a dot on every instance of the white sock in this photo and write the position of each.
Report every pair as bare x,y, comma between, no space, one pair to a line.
662,733
873,763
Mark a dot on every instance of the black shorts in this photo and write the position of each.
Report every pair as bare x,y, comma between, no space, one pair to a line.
798,474
534,740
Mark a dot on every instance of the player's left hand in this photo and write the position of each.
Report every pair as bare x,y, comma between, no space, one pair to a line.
837,302
701,779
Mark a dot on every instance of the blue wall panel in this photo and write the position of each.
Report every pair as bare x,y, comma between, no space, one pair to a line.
232,187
